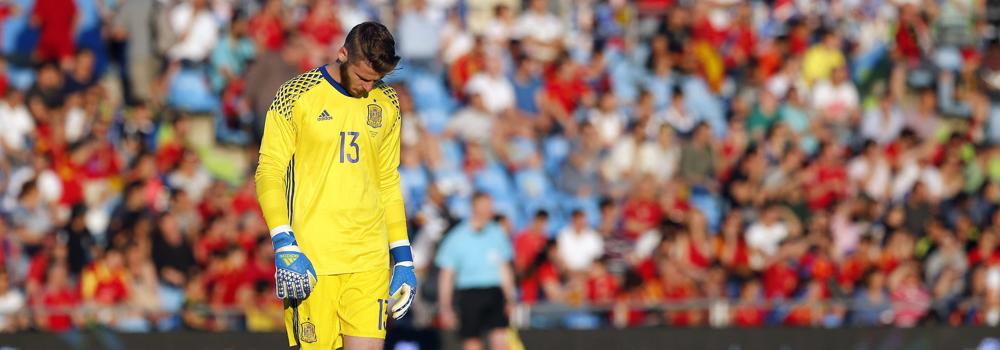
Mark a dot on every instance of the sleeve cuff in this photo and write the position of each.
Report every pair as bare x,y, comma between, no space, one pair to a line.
400,252
283,228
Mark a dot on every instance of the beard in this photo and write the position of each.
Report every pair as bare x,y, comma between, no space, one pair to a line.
348,83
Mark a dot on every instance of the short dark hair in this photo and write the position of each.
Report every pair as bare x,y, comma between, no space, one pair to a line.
372,42
498,8
480,195
541,215
607,202
677,91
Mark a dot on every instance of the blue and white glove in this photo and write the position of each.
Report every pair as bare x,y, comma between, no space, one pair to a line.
403,285
295,276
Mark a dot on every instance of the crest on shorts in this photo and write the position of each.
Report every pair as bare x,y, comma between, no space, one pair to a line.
374,115
307,332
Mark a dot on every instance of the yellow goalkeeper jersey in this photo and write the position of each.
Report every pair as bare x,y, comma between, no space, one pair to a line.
328,168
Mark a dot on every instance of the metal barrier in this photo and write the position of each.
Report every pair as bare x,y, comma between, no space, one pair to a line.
717,313
102,339
964,338
978,338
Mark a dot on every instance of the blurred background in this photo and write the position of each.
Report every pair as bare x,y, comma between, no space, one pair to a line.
654,163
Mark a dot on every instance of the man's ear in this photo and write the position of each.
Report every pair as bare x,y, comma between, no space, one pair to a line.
342,55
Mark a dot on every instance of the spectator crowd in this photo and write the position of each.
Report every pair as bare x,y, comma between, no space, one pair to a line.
652,162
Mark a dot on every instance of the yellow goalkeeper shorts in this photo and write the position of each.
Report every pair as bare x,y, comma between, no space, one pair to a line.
352,304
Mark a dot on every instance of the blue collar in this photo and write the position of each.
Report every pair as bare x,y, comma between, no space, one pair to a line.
334,83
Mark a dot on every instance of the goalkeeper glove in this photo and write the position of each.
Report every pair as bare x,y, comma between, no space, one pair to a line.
295,276
403,285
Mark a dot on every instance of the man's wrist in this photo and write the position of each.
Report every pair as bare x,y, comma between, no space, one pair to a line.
282,238
400,253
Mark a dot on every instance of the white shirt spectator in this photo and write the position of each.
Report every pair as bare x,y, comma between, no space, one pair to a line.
34,217
10,302
412,125
874,31
193,182
609,125
932,180
677,117
418,32
498,31
472,125
455,41
197,33
351,15
620,160
781,83
877,180
190,176
49,185
647,243
76,124
539,26
835,101
578,248
496,90
659,158
926,125
17,124
883,125
905,179
870,176
993,279
766,237
442,4
846,233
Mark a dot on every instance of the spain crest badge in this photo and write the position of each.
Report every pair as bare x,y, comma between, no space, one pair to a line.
307,332
374,116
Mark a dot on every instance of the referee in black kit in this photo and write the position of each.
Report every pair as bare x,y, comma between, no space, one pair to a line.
474,258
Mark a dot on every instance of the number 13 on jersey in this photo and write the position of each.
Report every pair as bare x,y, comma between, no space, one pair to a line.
353,135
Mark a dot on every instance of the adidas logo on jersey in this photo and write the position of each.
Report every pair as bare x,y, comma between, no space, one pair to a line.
324,116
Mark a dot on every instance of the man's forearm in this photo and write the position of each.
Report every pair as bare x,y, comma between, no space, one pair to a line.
271,191
507,282
445,285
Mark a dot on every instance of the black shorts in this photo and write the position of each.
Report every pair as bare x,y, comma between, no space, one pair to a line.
480,310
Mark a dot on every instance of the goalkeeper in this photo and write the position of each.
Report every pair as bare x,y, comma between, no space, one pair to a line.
328,185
